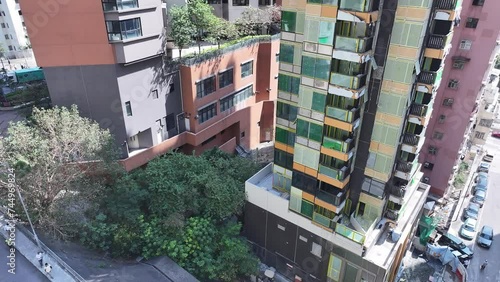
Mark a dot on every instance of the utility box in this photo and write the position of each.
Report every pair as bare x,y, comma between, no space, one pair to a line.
29,75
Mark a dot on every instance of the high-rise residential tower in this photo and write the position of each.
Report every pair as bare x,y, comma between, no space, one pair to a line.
473,50
355,92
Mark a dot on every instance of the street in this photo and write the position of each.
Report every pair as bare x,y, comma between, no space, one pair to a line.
488,216
25,271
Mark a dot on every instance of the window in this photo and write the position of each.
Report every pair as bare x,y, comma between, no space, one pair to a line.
3,25
283,159
428,165
128,107
316,67
433,150
453,84
472,22
448,102
246,69
265,3
171,87
319,31
122,30
309,130
113,5
207,113
3,13
286,53
205,87
10,48
277,57
6,36
20,12
441,119
213,2
316,249
11,37
478,2
240,2
225,78
458,64
437,135
479,135
284,136
288,83
288,21
486,122
154,94
465,44
242,135
286,111
334,268
170,121
238,97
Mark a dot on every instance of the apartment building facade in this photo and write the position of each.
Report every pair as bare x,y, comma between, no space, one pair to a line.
470,56
231,10
13,37
355,92
486,109
114,68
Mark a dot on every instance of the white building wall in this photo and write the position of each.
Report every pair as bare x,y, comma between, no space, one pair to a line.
13,35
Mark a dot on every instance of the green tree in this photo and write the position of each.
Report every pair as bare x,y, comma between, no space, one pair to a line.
222,30
54,163
202,18
182,29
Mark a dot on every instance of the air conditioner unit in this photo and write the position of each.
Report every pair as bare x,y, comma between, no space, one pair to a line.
426,179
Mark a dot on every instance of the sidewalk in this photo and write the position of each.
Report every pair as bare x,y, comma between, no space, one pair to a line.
28,248
467,187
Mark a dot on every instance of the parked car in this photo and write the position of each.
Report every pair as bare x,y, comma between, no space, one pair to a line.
485,237
488,158
481,175
479,197
468,229
496,134
456,244
471,211
483,167
481,184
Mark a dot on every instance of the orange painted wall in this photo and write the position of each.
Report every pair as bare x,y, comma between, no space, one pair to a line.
67,32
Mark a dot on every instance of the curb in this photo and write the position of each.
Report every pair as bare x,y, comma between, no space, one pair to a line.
13,108
467,188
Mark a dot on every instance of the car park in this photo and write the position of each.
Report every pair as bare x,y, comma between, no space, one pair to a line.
483,167
481,175
468,229
471,211
481,184
457,245
479,197
485,237
488,158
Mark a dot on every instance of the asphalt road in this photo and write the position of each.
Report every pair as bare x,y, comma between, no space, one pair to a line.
489,215
25,271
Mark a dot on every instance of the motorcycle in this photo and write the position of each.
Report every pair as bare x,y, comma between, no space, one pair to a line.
483,265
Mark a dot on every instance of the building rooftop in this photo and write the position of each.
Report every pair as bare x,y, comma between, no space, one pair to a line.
380,248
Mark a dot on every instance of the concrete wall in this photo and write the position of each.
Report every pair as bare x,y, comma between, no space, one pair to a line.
484,39
94,90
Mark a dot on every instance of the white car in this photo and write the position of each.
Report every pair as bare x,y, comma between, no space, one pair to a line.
468,229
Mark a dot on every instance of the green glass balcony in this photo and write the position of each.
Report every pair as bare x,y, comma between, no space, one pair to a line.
357,45
350,233
349,116
335,200
334,173
321,219
348,81
338,145
358,5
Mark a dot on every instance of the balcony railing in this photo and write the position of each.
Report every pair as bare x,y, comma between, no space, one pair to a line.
321,219
436,41
349,233
411,139
348,81
334,173
114,5
349,116
404,166
357,45
447,4
335,200
338,145
398,191
427,77
418,110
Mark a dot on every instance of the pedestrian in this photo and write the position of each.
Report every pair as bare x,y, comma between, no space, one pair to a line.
39,257
48,270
